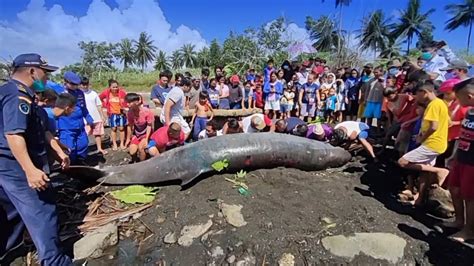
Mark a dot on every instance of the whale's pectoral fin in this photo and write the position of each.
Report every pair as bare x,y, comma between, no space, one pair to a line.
188,180
86,173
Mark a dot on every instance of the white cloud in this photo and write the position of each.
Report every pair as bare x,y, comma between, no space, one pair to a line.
298,38
55,34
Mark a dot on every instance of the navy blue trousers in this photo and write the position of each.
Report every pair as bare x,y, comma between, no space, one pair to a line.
22,206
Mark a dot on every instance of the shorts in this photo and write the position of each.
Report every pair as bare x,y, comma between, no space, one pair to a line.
97,129
117,120
360,111
394,129
286,107
422,155
364,131
461,177
308,109
272,105
180,120
373,110
136,139
403,139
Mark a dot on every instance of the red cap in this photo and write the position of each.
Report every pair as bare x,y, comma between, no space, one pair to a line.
448,85
235,78
267,120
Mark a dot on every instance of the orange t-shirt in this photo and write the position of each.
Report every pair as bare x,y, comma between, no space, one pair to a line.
114,105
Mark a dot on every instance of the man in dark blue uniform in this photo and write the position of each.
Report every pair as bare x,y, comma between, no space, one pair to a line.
71,128
25,197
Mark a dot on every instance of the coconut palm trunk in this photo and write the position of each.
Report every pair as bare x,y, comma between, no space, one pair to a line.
469,37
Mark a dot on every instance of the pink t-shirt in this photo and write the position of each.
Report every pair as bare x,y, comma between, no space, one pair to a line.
162,139
145,117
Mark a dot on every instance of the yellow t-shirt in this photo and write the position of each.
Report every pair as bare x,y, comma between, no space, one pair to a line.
437,111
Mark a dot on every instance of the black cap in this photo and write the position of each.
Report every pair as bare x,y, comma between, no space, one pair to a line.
33,60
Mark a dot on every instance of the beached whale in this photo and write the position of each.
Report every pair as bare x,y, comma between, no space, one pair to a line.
242,151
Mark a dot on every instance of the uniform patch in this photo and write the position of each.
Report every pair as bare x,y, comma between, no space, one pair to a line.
24,108
26,99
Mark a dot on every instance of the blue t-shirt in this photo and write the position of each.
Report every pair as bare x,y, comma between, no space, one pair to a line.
250,77
309,92
331,102
266,74
76,119
51,125
292,122
213,97
352,87
160,93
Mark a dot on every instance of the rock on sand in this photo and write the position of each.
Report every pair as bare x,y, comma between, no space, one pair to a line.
190,232
382,246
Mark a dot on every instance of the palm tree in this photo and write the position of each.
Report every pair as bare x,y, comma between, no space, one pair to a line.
204,57
176,60
125,53
324,32
375,31
463,15
161,62
412,22
340,4
144,50
392,49
188,55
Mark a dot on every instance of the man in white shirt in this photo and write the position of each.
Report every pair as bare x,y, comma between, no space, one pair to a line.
174,106
210,131
438,56
94,107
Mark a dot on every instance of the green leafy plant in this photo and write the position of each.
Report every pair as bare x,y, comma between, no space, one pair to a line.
220,165
241,174
135,194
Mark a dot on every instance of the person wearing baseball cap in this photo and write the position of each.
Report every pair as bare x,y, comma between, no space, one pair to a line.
24,144
456,113
457,69
72,128
255,123
367,73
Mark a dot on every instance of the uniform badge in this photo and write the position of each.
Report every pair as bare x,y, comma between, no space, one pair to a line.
24,108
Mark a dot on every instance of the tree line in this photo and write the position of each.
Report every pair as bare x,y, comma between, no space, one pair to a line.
251,48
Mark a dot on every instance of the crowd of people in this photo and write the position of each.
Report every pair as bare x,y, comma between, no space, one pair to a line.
423,107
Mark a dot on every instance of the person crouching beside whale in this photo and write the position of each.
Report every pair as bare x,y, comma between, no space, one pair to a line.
166,138
349,131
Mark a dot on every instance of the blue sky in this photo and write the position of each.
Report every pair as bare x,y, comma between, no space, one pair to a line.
196,20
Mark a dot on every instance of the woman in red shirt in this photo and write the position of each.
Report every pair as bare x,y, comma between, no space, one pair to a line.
113,98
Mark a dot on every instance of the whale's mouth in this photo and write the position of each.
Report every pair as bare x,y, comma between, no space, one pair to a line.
85,173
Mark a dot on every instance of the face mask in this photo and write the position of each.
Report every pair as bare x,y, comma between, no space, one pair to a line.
38,85
426,56
451,75
393,71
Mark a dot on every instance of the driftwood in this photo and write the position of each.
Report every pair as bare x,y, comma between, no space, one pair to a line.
92,222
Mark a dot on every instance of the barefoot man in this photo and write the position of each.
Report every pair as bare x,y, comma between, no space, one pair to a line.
461,181
433,138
